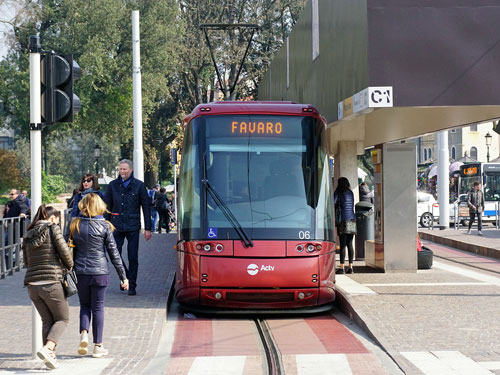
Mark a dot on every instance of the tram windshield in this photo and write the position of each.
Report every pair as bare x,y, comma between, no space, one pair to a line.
272,172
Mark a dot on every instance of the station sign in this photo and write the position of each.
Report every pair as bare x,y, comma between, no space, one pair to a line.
365,101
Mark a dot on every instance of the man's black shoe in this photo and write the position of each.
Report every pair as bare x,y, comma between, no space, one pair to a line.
350,270
132,292
340,271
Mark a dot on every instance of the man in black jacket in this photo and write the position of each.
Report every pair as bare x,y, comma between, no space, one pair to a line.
17,206
125,196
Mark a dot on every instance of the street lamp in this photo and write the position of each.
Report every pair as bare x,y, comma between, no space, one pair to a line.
488,138
97,155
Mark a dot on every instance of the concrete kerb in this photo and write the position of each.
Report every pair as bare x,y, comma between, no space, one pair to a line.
345,303
461,245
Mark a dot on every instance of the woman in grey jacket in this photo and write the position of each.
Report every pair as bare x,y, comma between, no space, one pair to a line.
45,254
92,237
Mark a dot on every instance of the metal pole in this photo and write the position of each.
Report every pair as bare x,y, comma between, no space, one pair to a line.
175,195
137,98
36,167
443,180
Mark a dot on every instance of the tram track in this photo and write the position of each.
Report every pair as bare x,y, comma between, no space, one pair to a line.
273,355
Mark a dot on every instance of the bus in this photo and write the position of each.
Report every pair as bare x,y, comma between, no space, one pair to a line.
488,174
255,209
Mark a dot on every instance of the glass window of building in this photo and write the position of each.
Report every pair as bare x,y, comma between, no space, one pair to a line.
473,152
473,128
453,153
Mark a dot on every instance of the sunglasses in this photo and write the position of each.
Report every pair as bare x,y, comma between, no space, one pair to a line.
12,194
87,181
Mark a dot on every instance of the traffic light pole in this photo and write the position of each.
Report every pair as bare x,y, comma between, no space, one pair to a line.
36,166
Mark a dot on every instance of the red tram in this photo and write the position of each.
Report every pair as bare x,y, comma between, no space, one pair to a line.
255,209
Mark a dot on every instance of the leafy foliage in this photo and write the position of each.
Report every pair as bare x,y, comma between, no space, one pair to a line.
11,178
177,72
52,186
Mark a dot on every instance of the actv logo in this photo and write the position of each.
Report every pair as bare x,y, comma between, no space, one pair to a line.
253,269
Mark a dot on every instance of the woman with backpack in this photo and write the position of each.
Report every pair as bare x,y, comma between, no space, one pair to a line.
46,256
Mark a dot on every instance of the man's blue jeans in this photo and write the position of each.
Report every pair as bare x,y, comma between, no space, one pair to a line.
154,218
132,252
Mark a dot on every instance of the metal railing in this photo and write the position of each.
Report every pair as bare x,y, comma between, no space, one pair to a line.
11,257
11,236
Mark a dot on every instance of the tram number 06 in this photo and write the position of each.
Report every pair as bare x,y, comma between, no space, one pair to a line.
304,235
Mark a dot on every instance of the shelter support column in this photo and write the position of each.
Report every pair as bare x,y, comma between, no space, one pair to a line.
346,165
395,246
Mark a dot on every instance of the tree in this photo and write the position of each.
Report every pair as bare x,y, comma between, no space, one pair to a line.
11,177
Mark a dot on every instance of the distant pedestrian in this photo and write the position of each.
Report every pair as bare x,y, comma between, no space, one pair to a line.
88,185
28,200
345,222
365,195
163,206
476,207
93,239
152,194
125,196
46,255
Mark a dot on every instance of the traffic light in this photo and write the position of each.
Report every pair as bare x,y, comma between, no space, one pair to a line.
59,103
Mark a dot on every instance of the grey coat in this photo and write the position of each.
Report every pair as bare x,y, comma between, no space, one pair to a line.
476,200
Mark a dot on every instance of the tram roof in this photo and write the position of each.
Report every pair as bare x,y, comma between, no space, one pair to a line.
253,107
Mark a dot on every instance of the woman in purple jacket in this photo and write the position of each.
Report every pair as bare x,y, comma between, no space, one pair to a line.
345,221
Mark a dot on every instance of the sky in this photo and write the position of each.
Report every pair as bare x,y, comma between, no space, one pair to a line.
6,13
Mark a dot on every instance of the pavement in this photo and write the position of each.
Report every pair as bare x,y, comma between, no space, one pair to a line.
445,320
132,326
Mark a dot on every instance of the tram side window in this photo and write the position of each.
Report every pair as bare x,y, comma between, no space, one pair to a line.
492,187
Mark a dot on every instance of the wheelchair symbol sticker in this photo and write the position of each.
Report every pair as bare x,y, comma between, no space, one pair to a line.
212,232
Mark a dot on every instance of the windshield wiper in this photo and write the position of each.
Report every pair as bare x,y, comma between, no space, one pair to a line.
247,241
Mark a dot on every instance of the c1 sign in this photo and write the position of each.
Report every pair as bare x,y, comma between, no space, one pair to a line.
380,97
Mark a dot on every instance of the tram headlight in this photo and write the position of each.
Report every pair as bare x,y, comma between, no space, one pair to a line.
301,295
310,248
300,248
218,295
207,247
219,247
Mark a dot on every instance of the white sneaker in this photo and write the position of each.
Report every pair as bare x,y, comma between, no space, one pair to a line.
49,357
99,351
84,343
479,233
468,231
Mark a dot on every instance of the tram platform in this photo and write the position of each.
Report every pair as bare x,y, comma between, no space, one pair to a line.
488,244
437,321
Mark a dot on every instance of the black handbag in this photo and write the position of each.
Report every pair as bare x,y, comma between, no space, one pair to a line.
69,282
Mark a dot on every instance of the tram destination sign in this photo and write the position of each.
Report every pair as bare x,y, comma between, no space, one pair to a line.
256,127
470,170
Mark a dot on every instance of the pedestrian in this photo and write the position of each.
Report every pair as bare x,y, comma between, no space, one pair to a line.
28,201
17,206
345,221
88,185
125,196
46,255
475,202
162,205
365,195
152,194
92,238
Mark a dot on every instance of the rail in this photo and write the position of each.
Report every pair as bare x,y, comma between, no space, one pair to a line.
12,230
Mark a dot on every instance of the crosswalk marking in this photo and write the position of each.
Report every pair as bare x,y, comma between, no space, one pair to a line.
312,364
227,365
428,284
445,363
494,365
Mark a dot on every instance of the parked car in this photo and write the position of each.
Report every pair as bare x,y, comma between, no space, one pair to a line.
428,209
